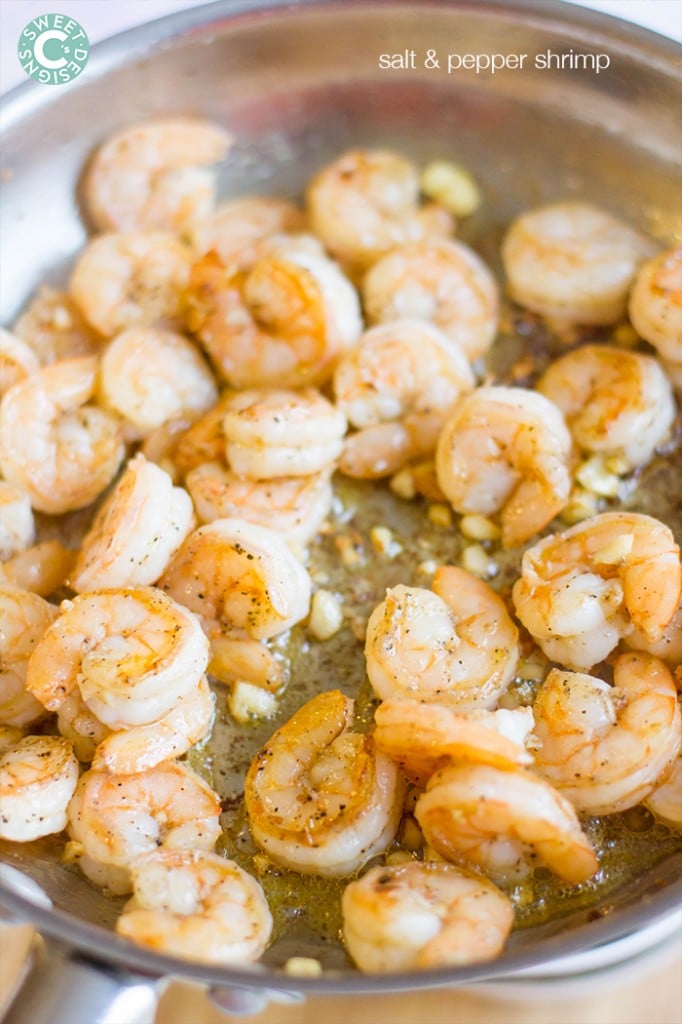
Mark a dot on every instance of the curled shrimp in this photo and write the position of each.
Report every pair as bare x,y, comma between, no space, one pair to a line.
17,360
117,818
665,800
131,279
421,915
581,591
72,450
668,647
17,525
154,176
454,645
506,451
572,262
320,798
236,229
130,653
605,746
202,441
442,282
656,305
136,531
42,568
615,402
148,376
54,328
283,322
24,618
397,387
281,433
38,776
197,906
502,822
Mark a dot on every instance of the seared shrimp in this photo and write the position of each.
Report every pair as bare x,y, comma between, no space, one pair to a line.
237,228
282,323
281,433
72,450
43,568
502,822
656,305
24,618
455,645
54,328
37,778
131,654
506,451
582,590
665,801
668,647
204,440
442,282
136,532
397,388
148,376
154,176
117,818
320,798
17,360
605,746
572,262
131,279
421,915
17,526
615,402
197,906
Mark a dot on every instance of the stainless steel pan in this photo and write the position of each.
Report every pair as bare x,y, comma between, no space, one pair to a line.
297,83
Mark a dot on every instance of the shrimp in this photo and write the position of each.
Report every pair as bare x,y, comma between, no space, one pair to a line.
404,375
656,305
421,738
24,618
204,440
17,526
506,451
583,590
118,818
154,176
442,282
366,202
422,915
197,906
572,262
131,279
320,798
455,645
502,822
239,576
237,228
282,433
54,328
72,450
17,360
668,647
136,531
38,776
130,653
605,746
282,323
148,376
665,800
237,659
615,402
43,568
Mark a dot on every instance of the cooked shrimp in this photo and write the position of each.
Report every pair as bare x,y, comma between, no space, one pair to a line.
442,282
204,440
502,822
236,575
17,360
80,726
668,647
572,262
320,798
72,450
237,659
615,402
455,645
282,433
421,915
24,618
43,568
17,526
131,279
54,328
582,590
366,202
236,229
37,778
131,653
656,304
197,906
10,736
282,323
406,375
421,738
136,532
117,818
665,801
148,376
154,176
605,746
506,451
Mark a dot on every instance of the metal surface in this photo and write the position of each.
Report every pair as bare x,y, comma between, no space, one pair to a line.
296,84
